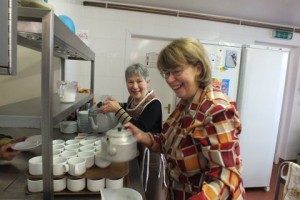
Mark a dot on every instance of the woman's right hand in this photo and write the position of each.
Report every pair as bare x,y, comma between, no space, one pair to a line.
139,135
109,106
136,132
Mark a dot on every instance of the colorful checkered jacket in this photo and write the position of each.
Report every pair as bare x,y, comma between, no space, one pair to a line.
201,145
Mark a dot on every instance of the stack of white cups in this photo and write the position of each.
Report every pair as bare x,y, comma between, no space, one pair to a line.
73,157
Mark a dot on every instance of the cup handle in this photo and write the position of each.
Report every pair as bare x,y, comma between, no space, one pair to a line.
66,167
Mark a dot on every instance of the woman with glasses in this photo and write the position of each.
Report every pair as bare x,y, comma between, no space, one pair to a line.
200,138
143,109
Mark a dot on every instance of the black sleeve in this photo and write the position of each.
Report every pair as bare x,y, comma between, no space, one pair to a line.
150,119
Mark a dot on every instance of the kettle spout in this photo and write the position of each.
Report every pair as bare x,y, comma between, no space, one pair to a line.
93,124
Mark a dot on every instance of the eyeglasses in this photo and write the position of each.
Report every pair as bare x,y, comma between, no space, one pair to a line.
166,73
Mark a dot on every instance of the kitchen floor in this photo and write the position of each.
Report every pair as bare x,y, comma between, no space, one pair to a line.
260,193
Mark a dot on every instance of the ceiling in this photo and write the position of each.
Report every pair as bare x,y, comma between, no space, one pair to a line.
280,12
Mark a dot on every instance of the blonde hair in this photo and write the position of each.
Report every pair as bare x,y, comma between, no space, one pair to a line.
186,51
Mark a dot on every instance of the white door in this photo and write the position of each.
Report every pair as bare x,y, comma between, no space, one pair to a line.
145,51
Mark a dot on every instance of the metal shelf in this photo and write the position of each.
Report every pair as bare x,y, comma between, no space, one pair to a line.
42,30
66,44
27,113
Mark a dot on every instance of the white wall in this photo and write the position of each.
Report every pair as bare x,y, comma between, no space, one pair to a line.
27,83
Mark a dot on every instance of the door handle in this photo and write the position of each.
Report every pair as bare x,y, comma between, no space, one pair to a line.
168,108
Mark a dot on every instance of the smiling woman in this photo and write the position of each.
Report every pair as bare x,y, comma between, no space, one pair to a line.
200,138
143,109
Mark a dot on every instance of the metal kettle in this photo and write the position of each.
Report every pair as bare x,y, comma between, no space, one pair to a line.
121,146
101,122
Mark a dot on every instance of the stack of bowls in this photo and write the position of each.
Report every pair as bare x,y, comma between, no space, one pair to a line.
83,122
68,127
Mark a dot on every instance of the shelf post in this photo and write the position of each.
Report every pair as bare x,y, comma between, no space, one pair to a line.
47,102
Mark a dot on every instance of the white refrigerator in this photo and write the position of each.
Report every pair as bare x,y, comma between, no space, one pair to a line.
260,94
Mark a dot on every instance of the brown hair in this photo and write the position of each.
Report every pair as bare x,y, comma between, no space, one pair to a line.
186,51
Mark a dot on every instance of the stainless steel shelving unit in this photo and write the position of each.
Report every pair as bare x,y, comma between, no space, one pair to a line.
42,30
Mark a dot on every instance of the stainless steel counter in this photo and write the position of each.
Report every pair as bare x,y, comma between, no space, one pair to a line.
12,173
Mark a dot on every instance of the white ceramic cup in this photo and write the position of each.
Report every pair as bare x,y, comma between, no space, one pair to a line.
86,142
76,166
114,183
59,147
97,149
68,154
95,185
100,161
56,153
35,185
87,148
76,185
60,166
73,141
89,158
98,143
59,184
35,165
91,138
72,147
62,142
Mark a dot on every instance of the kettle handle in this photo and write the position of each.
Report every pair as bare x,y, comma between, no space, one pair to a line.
92,122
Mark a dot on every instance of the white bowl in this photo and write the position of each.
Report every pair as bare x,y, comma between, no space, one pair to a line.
120,194
68,126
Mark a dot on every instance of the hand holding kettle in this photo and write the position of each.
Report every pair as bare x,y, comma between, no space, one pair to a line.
140,136
110,105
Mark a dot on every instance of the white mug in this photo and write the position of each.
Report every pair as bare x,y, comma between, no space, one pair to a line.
75,185
89,158
68,154
35,165
114,183
72,147
100,161
58,147
59,184
98,143
60,166
87,148
73,141
98,149
95,185
62,142
76,166
56,153
35,185
86,142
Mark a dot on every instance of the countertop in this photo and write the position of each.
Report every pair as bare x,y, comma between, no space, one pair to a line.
12,173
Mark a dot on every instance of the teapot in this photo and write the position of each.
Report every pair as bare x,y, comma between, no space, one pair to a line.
101,122
67,91
121,146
